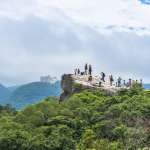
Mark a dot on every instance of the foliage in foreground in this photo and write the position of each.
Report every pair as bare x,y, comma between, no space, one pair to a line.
87,121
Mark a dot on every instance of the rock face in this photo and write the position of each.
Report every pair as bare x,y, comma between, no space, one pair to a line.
76,83
67,86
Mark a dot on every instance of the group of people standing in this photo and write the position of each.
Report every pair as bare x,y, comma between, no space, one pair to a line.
129,83
87,70
119,83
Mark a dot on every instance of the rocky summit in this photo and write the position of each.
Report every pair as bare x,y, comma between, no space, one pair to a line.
71,84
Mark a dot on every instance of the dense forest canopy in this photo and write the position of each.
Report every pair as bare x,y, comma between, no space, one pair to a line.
89,120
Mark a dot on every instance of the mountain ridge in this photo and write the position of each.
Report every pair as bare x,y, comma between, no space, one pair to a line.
30,93
4,92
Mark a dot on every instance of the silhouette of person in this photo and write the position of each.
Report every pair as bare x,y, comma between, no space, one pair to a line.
124,82
111,80
119,82
130,82
90,70
78,71
103,76
75,71
141,82
86,68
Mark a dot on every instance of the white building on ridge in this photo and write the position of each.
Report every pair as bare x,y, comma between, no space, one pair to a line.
48,79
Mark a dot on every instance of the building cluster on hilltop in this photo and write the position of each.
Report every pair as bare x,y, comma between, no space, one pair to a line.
102,78
48,79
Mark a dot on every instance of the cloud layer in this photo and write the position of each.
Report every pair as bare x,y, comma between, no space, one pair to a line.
41,37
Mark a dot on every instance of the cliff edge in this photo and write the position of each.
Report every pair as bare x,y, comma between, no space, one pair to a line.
76,83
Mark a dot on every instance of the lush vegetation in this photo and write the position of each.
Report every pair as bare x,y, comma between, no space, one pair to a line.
87,121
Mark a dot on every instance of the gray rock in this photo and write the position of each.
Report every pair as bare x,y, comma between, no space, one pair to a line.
74,84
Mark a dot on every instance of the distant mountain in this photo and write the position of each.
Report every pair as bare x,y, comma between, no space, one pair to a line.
4,93
147,86
12,88
31,93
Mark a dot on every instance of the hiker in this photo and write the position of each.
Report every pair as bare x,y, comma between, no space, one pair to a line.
78,71
111,79
90,70
103,76
75,71
141,82
124,83
119,82
130,82
86,68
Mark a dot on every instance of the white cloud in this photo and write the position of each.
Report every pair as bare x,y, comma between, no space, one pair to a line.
95,13
53,36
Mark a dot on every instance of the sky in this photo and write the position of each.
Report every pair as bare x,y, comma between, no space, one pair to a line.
41,37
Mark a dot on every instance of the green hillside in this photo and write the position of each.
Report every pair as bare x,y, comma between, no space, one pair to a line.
32,93
88,120
4,93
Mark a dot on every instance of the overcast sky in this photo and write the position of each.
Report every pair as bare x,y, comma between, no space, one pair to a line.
41,37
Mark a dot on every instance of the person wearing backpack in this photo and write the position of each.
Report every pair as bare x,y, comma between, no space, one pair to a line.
103,76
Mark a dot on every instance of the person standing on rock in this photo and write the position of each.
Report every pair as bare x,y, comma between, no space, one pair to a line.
90,70
124,83
111,80
141,82
103,76
75,71
86,68
78,71
130,82
119,82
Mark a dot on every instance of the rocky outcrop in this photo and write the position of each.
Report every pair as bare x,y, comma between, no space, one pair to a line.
67,86
76,83
70,86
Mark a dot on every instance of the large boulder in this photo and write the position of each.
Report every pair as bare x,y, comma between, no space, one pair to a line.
67,86
70,86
